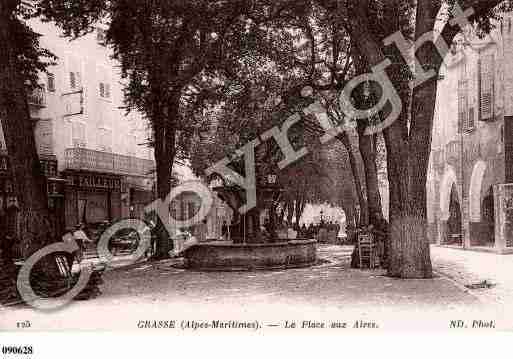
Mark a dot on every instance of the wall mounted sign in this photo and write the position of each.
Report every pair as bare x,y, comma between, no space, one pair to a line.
94,181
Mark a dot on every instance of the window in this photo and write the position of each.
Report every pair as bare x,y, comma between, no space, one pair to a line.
104,90
466,116
470,120
74,80
486,81
51,82
78,134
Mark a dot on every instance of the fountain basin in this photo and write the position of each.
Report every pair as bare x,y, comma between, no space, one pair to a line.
226,256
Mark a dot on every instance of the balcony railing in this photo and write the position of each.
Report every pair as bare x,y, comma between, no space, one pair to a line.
97,161
37,98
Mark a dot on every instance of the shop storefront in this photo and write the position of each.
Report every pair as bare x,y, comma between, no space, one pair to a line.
92,198
139,193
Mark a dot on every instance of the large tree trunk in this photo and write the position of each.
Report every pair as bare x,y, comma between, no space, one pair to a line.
164,131
363,219
409,246
408,252
368,153
367,144
415,261
36,228
358,179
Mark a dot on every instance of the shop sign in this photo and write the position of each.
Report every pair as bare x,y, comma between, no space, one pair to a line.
94,181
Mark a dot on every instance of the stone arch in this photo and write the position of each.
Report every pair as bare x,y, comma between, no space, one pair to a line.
476,185
448,180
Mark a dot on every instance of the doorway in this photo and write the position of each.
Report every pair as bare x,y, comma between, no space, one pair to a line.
488,219
454,236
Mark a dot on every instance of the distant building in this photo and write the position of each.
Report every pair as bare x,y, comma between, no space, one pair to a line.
472,142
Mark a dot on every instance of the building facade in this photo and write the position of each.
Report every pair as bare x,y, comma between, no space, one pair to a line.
94,155
472,152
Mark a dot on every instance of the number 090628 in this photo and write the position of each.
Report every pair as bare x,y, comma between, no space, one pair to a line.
17,350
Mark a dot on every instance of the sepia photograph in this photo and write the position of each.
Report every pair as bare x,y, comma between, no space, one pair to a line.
255,166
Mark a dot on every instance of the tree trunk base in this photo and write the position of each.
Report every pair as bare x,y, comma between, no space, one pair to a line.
409,256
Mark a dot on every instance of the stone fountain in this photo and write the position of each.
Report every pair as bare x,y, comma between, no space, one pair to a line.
253,245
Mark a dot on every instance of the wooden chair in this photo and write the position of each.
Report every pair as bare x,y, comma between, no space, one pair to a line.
367,250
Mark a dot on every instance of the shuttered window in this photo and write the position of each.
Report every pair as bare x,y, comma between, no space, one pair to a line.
470,119
75,81
51,82
72,80
486,87
104,90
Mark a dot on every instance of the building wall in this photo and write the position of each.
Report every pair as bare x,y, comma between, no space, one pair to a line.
103,125
80,122
469,150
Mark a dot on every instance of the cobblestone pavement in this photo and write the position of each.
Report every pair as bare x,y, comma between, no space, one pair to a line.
471,267
330,289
